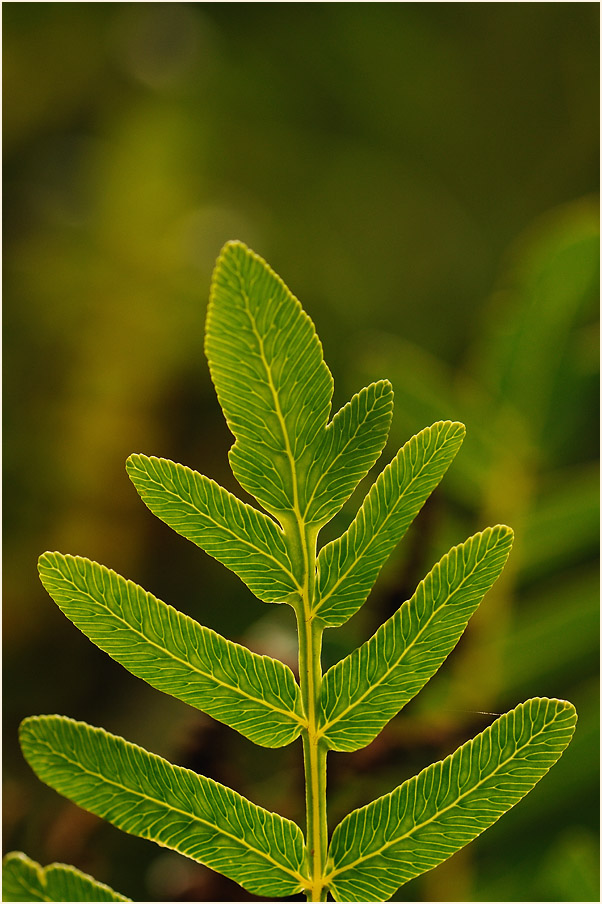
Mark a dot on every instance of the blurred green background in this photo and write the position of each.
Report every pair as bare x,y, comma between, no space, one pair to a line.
423,177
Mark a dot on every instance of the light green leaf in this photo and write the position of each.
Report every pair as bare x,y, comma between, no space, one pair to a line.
377,848
146,795
366,689
256,695
349,566
352,442
271,380
25,880
245,540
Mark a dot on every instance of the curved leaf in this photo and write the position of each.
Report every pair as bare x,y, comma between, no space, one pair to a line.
256,695
377,848
352,442
25,880
146,795
366,689
247,541
271,380
349,566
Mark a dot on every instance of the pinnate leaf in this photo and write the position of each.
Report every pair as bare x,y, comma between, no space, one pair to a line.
146,795
270,376
256,695
377,848
275,390
366,689
247,541
352,442
349,566
25,880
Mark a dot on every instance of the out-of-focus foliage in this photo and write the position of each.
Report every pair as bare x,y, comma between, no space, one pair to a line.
422,176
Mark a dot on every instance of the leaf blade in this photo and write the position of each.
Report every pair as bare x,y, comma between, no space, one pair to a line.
424,821
349,566
145,795
256,695
362,692
352,442
24,879
242,538
271,380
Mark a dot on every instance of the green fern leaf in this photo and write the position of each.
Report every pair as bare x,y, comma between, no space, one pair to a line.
349,566
256,695
145,795
275,390
245,540
362,692
377,848
352,442
271,379
25,880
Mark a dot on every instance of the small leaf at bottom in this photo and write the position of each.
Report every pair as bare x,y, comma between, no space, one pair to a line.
25,880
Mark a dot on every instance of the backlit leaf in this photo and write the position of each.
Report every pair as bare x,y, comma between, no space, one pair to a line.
377,848
349,566
146,795
256,695
247,541
352,442
271,380
366,689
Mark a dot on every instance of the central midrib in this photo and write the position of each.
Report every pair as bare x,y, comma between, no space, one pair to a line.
311,716
276,400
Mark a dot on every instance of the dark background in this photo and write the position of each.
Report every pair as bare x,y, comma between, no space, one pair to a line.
423,177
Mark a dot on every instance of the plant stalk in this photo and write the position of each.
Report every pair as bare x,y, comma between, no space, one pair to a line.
314,748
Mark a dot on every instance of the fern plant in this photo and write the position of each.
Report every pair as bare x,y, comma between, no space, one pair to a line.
275,390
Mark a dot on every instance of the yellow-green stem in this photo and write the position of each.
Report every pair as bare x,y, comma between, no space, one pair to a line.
314,749
314,757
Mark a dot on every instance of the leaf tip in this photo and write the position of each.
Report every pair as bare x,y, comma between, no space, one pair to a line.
16,855
505,532
458,428
135,462
231,247
26,728
567,706
131,461
452,432
232,244
44,559
47,562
